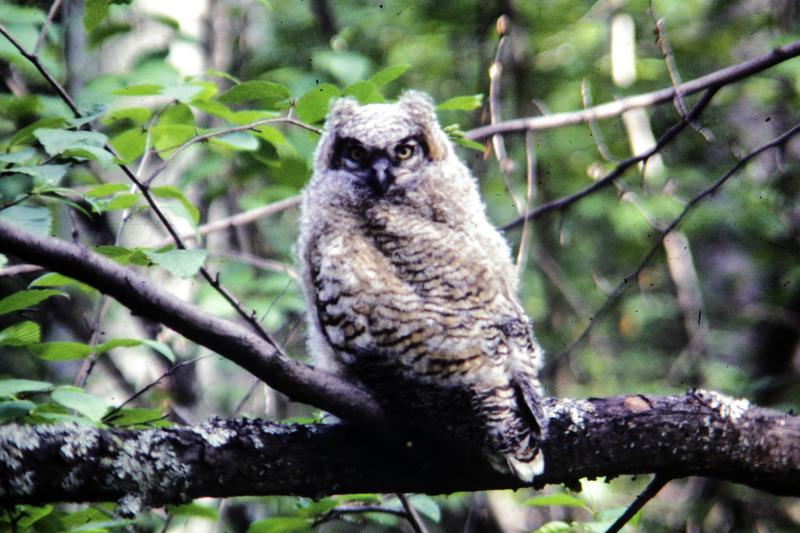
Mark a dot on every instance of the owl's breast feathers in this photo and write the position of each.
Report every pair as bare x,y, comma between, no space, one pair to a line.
418,311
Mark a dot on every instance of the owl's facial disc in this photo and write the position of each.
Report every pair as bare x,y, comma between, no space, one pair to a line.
378,167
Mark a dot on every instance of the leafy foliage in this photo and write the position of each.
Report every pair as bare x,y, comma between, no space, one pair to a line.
208,142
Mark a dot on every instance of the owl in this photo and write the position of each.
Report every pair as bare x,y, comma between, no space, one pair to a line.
411,291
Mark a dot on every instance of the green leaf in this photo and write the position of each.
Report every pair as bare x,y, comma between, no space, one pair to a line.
26,135
122,201
561,499
193,509
388,74
238,140
313,106
461,103
15,409
12,387
30,515
60,351
56,141
183,93
27,298
161,348
116,343
89,406
54,279
365,92
180,114
133,417
139,115
20,156
106,189
34,219
167,138
142,89
124,256
280,524
20,334
96,11
265,92
181,263
468,143
129,144
555,526
48,174
427,506
170,191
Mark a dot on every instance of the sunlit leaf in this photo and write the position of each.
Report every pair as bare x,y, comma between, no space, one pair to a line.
34,219
60,350
313,106
280,524
181,263
561,499
26,298
265,92
388,74
142,89
169,191
20,334
461,103
89,406
365,92
193,509
12,387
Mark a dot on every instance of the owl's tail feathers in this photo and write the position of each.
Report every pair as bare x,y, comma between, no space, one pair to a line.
526,469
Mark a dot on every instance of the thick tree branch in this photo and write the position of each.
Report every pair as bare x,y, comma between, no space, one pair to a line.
714,80
701,433
298,381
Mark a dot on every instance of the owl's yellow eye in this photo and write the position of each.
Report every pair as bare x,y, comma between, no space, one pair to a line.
356,153
404,151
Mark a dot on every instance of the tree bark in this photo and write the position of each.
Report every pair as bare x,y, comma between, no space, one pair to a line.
701,433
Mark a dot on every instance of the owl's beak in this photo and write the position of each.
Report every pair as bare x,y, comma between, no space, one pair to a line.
380,175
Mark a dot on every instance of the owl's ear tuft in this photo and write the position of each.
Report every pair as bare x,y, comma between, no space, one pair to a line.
340,109
421,108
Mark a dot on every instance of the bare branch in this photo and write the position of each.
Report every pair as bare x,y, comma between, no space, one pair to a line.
46,26
654,487
714,80
631,278
620,169
298,381
239,219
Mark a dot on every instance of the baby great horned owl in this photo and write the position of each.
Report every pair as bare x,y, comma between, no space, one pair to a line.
410,290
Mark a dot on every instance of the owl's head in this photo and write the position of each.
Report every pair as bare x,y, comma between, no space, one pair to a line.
378,147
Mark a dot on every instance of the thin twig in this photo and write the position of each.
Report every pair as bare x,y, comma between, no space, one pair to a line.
239,219
630,278
530,174
46,26
150,385
597,135
714,80
495,114
19,269
180,148
649,492
620,169
338,512
413,517
674,75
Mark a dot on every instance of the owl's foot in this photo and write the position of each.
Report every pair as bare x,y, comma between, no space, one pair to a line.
526,470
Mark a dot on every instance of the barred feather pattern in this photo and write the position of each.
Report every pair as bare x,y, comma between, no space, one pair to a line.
412,291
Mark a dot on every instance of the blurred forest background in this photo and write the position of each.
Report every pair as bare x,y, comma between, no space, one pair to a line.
717,306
